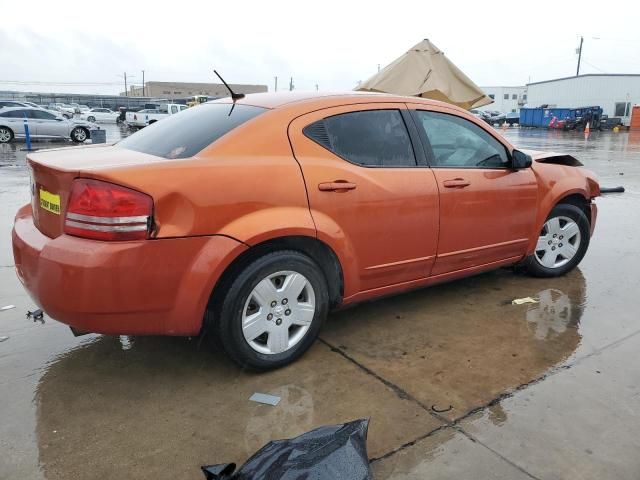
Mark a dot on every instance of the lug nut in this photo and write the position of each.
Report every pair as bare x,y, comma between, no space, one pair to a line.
279,321
287,312
555,235
550,242
560,245
270,316
561,237
273,303
284,301
553,248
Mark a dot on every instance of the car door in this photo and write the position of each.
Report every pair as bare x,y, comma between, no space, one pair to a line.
487,209
14,119
371,195
48,125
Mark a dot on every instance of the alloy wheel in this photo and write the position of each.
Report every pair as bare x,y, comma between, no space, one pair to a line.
278,312
80,135
558,243
5,135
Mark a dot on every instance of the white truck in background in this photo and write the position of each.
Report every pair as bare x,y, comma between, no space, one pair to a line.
148,116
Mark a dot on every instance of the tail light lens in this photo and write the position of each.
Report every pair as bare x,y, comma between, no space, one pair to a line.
105,211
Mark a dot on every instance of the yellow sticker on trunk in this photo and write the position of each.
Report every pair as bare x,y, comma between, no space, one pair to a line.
50,201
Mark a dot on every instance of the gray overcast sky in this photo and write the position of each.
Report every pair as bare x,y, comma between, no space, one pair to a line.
330,43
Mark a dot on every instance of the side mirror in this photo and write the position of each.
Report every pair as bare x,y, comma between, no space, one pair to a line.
520,160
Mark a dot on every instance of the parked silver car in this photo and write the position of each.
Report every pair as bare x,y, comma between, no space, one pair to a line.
16,103
42,124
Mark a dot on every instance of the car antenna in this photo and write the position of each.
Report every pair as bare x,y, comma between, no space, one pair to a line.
234,96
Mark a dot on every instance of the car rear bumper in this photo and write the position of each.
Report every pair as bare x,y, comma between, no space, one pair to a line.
594,216
125,288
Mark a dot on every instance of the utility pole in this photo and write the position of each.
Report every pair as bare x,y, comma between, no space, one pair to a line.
276,85
579,55
316,87
143,92
126,93
291,84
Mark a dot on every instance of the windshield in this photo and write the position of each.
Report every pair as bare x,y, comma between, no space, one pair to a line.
186,133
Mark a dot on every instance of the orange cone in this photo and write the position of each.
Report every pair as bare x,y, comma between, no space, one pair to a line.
586,131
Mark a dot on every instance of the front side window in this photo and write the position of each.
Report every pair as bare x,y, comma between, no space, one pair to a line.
184,135
371,138
506,96
457,142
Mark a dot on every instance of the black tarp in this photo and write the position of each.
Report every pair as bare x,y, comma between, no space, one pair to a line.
332,452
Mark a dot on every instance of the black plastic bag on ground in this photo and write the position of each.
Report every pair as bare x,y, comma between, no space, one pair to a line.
335,452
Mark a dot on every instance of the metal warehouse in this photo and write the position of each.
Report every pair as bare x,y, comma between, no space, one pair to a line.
615,93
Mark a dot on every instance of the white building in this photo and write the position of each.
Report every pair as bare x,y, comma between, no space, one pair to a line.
615,93
505,99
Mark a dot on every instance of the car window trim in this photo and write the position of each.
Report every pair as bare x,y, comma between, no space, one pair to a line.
398,108
431,156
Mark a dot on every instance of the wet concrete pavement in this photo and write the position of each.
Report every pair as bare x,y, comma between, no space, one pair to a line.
548,390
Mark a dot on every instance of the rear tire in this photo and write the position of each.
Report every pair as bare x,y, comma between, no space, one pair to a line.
562,243
6,134
272,311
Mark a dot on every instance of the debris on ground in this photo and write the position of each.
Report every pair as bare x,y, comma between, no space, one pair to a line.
441,410
611,189
3,338
37,315
265,398
7,307
522,301
335,452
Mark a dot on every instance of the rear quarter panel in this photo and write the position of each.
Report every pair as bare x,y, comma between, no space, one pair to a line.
247,186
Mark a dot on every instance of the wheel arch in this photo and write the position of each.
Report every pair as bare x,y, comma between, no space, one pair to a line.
317,250
578,200
576,197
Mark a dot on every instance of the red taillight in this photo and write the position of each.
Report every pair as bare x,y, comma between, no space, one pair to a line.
105,211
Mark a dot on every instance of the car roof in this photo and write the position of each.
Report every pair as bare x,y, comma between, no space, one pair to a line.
8,109
273,100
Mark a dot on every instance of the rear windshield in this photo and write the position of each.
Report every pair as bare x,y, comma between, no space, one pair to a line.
186,133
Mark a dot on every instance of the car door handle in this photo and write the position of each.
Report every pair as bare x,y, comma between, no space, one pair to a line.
337,186
456,183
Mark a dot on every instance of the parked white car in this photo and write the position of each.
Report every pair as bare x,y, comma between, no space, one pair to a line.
66,109
42,124
82,109
100,115
148,116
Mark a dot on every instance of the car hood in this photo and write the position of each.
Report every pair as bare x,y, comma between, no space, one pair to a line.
553,157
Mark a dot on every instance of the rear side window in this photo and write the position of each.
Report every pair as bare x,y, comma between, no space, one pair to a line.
371,138
186,133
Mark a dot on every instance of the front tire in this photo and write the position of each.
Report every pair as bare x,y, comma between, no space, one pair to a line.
562,243
79,134
91,119
6,135
273,310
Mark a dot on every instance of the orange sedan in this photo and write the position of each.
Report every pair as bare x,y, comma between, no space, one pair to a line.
253,218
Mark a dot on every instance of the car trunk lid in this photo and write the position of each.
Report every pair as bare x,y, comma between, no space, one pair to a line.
52,174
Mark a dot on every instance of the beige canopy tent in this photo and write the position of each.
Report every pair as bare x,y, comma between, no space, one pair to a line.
424,71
